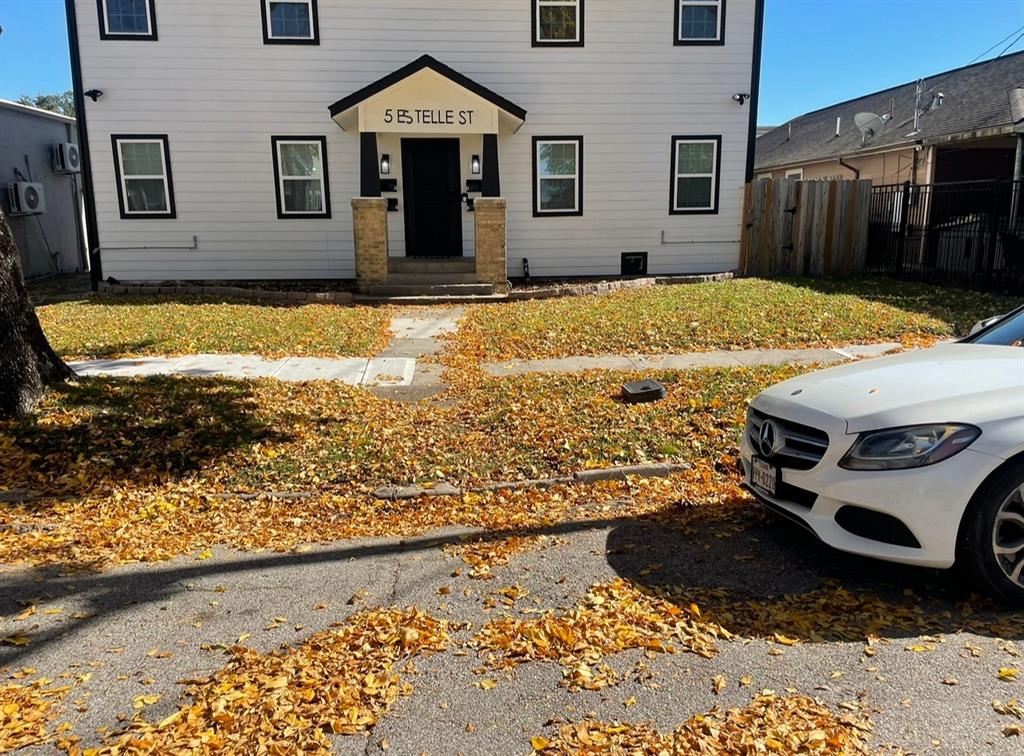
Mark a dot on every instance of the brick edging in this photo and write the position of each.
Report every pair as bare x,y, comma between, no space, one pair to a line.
235,292
606,287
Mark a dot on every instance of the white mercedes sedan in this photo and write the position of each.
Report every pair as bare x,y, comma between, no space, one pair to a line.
915,458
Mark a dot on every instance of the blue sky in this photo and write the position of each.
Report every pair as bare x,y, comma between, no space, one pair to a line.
816,52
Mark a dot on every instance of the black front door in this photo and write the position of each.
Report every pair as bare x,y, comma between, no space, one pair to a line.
433,197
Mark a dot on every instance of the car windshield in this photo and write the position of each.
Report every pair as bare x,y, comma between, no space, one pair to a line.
1008,332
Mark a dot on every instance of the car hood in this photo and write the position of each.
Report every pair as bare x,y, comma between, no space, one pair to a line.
949,383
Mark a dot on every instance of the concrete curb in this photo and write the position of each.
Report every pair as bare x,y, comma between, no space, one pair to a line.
579,478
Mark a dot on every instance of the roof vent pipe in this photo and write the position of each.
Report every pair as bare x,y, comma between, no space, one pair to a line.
839,125
790,134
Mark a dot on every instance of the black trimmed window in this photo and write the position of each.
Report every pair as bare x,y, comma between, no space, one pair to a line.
142,166
700,22
290,22
127,19
557,23
557,176
300,177
696,165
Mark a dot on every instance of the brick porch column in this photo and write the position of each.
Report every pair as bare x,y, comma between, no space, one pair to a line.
490,216
370,228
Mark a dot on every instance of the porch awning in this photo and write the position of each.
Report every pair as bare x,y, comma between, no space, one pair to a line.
427,97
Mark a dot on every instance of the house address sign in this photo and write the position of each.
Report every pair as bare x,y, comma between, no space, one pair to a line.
428,117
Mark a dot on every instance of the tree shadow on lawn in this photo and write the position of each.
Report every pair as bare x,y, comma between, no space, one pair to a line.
959,308
98,433
773,577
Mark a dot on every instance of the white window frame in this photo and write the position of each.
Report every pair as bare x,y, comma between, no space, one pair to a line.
577,176
797,173
271,37
716,144
126,212
283,211
538,40
719,37
148,34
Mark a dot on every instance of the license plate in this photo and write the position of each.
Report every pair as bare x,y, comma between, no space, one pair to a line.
764,476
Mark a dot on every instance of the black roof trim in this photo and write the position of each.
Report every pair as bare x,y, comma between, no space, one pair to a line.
426,61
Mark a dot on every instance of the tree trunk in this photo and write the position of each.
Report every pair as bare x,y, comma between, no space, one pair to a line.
27,362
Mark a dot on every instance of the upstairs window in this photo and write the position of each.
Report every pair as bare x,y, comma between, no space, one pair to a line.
300,169
557,23
143,168
558,176
695,166
127,19
700,22
291,23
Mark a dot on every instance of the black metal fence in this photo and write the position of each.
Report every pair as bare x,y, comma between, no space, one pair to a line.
965,234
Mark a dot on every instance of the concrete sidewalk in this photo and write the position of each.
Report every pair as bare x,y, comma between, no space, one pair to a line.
379,371
692,360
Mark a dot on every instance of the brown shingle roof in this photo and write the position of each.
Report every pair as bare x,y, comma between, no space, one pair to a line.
979,96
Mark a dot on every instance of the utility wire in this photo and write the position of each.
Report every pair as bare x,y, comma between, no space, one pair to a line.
1019,37
997,45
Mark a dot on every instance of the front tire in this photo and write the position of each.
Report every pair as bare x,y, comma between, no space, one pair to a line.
991,548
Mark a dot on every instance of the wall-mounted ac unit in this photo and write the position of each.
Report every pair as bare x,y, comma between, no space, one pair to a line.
24,198
67,158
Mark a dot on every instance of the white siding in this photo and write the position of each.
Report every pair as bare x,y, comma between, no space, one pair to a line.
220,93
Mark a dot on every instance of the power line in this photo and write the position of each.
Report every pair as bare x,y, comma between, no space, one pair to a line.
1019,37
997,45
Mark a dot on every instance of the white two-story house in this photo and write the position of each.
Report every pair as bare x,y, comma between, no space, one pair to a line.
345,139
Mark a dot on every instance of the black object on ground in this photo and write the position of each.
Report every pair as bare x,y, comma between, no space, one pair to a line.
642,392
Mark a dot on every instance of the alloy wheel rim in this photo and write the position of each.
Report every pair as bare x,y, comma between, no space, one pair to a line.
1008,537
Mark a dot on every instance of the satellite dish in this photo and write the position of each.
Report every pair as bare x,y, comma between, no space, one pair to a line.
870,125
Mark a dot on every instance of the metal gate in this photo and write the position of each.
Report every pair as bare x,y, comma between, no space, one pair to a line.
969,235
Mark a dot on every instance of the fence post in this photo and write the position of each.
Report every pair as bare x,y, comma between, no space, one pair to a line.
993,235
901,247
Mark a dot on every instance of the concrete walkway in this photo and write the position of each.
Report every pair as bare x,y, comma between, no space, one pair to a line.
739,358
379,371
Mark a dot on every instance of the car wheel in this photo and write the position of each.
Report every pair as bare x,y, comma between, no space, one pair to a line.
991,545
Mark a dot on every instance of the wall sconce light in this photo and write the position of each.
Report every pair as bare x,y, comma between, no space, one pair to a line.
385,164
474,165
741,98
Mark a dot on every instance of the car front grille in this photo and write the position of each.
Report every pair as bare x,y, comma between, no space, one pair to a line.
802,446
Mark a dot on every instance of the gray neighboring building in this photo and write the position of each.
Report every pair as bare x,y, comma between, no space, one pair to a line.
52,241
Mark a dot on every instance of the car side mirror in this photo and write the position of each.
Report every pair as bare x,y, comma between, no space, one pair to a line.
981,325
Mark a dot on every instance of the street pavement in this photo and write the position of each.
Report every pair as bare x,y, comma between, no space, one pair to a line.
189,604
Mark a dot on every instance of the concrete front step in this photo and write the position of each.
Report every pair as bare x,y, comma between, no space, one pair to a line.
430,279
430,290
431,265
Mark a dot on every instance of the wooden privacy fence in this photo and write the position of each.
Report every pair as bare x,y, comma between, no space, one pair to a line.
815,228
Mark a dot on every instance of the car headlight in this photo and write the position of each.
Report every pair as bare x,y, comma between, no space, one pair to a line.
905,448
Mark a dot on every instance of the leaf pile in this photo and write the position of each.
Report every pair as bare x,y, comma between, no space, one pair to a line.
741,314
26,711
132,326
337,682
832,613
612,617
483,554
769,724
103,436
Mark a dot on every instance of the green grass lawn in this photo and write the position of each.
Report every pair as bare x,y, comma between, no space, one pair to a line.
127,327
741,314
